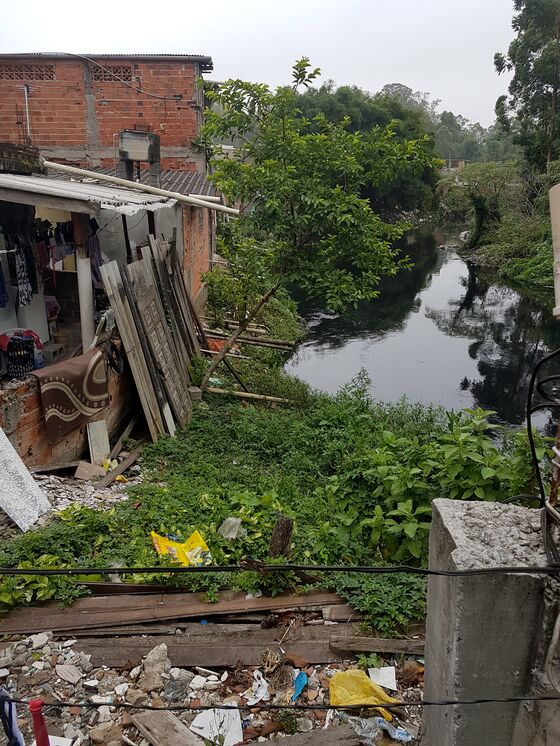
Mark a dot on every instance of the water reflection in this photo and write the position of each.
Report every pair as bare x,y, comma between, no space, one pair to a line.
442,332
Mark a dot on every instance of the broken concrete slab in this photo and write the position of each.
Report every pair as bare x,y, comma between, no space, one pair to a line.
20,496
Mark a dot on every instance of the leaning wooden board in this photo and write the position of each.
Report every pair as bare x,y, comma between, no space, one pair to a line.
108,611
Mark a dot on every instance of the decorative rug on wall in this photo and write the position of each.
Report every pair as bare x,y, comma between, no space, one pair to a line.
72,392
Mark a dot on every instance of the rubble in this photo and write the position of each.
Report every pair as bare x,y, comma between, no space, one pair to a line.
67,674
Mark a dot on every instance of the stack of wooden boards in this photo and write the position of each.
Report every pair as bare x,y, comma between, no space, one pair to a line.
117,630
157,327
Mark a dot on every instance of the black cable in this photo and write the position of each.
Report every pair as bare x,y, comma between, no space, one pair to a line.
266,706
366,570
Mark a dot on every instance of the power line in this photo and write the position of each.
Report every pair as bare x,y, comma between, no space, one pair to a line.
266,706
264,568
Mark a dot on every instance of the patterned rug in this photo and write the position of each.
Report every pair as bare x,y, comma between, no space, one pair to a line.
72,392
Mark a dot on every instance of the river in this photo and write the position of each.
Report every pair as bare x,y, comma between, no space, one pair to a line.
443,333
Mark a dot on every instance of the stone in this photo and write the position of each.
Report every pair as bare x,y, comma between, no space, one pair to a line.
212,686
104,714
68,643
304,725
121,689
150,681
39,641
4,672
176,690
106,733
135,672
197,682
181,674
6,661
68,672
154,665
38,665
135,696
91,684
99,699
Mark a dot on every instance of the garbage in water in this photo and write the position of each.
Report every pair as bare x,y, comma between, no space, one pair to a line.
353,687
194,551
300,682
259,691
219,726
385,677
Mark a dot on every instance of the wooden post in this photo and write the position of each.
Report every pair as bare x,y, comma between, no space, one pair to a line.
85,286
281,537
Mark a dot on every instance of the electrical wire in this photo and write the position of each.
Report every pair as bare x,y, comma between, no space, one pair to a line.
265,706
366,570
122,80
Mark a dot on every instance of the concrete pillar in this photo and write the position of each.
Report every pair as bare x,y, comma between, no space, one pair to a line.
487,636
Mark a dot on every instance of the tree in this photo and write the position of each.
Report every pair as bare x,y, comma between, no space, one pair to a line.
363,111
534,58
298,186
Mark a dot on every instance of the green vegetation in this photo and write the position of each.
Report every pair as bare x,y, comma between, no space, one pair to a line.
507,208
299,182
357,477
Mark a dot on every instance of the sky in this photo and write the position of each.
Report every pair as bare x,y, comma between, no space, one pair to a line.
445,47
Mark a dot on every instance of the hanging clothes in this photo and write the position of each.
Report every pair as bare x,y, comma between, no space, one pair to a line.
31,267
8,716
25,291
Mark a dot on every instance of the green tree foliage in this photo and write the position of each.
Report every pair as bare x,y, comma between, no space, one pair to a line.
534,59
299,185
359,110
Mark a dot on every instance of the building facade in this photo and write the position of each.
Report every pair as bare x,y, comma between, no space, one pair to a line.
73,107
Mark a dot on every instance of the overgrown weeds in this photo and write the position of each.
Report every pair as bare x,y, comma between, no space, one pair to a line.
357,477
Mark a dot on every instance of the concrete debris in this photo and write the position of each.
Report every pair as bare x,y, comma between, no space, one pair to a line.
68,675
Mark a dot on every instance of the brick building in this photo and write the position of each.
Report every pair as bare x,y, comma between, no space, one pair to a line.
73,106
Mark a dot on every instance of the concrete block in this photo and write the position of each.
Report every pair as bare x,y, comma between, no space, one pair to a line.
20,496
485,635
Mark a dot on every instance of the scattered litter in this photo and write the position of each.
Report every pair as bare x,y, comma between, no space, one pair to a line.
219,726
385,677
353,687
329,718
121,478
300,682
396,733
194,551
367,729
259,691
231,528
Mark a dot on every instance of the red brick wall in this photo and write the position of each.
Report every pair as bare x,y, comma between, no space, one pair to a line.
197,240
21,417
60,117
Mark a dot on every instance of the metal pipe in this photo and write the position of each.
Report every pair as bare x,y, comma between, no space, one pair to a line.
139,187
27,118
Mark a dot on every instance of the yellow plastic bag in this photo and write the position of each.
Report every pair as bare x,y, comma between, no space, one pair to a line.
354,687
194,551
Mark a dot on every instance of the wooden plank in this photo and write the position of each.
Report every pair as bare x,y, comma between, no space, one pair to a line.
247,395
131,341
163,728
125,464
98,440
108,611
376,645
214,654
117,448
341,735
154,373
162,347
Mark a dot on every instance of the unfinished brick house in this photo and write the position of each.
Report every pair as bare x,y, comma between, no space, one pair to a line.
73,107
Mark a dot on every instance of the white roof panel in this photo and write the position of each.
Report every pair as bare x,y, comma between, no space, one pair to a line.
104,197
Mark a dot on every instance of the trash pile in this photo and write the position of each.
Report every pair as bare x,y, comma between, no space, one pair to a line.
42,667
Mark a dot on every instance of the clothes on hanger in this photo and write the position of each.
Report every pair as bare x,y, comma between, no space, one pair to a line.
25,291
8,716
4,297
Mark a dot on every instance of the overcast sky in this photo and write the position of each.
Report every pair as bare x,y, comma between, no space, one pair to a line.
445,47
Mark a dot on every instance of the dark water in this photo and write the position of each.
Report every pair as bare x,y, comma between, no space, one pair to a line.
441,333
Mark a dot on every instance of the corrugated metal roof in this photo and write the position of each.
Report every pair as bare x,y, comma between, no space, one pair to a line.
205,61
183,182
105,197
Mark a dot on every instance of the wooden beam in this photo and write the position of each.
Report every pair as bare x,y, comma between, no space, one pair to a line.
248,395
125,464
